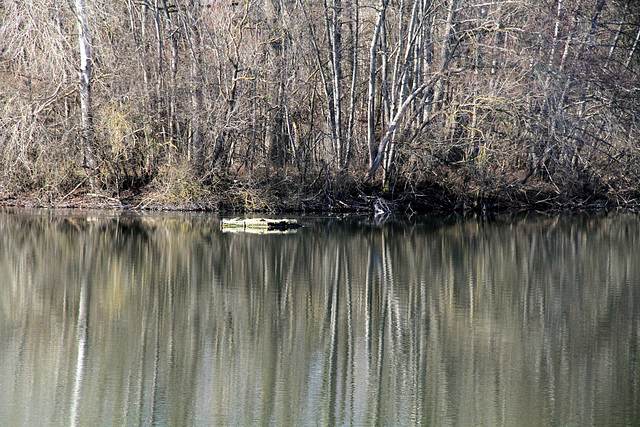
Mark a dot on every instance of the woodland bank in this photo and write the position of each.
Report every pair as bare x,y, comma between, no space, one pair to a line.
335,105
285,196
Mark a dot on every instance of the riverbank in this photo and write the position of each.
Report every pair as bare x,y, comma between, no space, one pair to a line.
288,196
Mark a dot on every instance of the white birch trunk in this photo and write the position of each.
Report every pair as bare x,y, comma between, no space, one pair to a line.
616,39
393,125
554,45
633,49
372,84
85,84
333,34
354,82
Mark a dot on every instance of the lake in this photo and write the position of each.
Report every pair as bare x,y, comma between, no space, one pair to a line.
131,319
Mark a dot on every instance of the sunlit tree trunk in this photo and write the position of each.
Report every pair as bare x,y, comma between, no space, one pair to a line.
332,19
402,89
401,79
616,39
354,82
84,44
371,100
632,51
392,128
554,45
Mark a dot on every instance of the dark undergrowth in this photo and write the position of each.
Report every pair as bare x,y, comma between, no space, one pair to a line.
271,192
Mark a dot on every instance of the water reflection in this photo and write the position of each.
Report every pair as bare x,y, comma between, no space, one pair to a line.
112,319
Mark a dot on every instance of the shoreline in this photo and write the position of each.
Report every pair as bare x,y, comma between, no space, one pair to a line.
371,203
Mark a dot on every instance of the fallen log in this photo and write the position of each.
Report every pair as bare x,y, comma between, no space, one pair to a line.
259,225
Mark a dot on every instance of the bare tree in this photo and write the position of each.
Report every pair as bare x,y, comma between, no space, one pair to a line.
196,146
84,45
373,56
333,24
276,53
403,87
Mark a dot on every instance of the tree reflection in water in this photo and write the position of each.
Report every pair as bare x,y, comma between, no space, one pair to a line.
163,319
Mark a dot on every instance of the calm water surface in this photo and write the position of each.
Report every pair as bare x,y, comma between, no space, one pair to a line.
126,320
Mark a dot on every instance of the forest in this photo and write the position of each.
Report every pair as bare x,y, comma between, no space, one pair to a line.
309,105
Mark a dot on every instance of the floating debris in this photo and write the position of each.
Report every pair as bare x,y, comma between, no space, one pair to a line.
260,225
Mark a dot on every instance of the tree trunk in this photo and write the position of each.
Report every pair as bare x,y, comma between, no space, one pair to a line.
173,125
354,82
633,49
140,48
616,39
371,101
393,125
85,86
160,80
274,126
554,45
445,55
197,81
332,15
